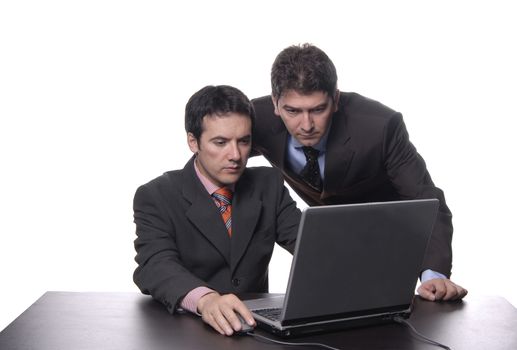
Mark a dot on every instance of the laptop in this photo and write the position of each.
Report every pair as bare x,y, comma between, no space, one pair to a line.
353,265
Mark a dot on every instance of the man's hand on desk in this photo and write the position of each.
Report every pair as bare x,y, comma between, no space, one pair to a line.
219,311
441,289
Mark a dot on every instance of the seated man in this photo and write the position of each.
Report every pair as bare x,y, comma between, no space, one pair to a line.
207,231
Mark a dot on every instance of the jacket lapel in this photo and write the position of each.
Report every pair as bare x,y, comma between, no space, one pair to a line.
246,210
203,214
339,155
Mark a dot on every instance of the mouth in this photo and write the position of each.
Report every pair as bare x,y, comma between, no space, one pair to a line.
232,169
311,134
308,136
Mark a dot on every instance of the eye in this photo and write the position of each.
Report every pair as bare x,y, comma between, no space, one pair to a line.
220,142
319,110
291,111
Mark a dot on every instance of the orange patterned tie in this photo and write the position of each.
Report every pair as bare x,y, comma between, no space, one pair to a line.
223,200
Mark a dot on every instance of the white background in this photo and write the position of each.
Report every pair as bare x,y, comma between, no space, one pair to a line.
92,95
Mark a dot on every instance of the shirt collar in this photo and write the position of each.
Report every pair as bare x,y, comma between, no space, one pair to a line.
209,186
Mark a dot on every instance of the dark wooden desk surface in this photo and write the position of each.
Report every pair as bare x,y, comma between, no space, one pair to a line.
67,320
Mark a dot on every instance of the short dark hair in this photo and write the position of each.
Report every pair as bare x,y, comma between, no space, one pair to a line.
304,69
215,101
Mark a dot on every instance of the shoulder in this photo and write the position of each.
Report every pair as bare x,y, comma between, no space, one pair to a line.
268,130
263,173
262,177
173,178
355,104
263,104
165,179
362,114
265,184
264,111
165,184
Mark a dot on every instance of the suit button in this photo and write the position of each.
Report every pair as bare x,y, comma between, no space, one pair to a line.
236,282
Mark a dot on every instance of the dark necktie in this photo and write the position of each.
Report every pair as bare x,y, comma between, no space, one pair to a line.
311,172
223,200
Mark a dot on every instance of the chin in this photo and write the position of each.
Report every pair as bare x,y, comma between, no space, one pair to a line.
308,142
230,180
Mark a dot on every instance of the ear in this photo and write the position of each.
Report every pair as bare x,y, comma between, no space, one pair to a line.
192,142
275,104
336,101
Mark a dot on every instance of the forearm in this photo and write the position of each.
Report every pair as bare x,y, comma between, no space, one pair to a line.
160,271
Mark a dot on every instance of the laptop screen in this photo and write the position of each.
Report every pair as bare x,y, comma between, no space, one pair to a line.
360,258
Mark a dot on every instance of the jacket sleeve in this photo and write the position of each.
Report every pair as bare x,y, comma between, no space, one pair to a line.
159,272
408,173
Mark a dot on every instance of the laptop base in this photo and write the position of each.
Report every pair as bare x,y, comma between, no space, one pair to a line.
325,327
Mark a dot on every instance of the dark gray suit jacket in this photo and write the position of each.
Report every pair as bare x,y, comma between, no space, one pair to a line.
182,242
369,158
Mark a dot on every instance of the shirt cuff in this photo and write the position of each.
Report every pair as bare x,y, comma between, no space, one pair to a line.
190,300
430,274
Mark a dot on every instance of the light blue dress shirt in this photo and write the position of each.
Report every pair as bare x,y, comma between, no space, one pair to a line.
296,158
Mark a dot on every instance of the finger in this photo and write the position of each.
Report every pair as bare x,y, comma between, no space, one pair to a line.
248,318
215,317
461,292
245,313
224,324
228,306
440,289
235,309
425,293
451,292
233,319
210,320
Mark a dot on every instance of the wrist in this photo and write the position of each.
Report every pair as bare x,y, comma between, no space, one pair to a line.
430,274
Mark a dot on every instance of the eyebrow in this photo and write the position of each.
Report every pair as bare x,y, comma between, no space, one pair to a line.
220,137
323,104
245,138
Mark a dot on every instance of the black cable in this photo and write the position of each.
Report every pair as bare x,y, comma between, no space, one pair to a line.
399,320
404,322
289,343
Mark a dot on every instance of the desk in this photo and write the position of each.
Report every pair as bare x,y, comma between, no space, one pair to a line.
67,320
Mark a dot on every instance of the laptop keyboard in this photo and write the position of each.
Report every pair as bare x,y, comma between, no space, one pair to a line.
270,314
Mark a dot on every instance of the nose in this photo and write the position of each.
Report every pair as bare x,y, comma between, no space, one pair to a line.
307,124
234,152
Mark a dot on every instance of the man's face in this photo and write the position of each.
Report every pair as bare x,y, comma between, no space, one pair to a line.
223,147
306,117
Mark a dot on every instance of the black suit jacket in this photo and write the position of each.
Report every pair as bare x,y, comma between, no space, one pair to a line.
182,242
368,158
